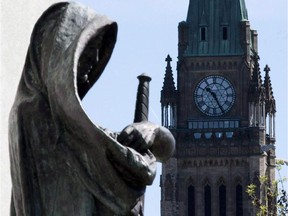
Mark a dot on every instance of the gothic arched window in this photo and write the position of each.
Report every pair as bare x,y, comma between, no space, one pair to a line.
191,200
222,200
239,200
225,33
207,200
203,33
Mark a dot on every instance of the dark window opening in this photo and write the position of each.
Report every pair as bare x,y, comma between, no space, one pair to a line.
207,199
225,33
222,200
191,201
203,33
239,200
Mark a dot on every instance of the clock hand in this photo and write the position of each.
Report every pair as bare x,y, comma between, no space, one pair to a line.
215,98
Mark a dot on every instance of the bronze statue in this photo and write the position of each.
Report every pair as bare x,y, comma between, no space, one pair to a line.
62,163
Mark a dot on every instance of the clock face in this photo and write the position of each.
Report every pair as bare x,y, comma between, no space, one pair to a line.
214,95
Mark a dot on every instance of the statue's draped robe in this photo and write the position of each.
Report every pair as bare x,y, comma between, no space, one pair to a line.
59,162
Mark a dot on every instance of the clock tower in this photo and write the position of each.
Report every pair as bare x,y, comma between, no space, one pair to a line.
222,114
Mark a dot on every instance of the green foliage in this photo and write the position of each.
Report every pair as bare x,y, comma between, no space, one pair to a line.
282,201
276,198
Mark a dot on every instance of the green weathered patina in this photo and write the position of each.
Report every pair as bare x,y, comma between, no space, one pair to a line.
213,28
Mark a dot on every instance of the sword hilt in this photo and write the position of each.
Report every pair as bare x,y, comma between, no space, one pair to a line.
142,99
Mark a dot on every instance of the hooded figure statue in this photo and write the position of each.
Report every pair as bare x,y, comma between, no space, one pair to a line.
62,163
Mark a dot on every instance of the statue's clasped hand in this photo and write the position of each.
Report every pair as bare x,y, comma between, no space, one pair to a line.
145,136
138,147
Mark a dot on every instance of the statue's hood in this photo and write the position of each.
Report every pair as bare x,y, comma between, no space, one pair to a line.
70,47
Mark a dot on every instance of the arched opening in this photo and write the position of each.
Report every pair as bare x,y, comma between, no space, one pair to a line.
222,200
239,200
207,200
203,33
225,33
191,200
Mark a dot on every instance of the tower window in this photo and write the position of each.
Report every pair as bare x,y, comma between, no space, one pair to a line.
207,199
203,32
197,135
225,33
239,200
218,134
222,200
208,135
191,200
229,135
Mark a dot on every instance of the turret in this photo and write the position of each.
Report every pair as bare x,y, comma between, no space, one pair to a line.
256,95
270,107
168,97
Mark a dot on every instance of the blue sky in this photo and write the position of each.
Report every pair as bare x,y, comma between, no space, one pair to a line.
147,33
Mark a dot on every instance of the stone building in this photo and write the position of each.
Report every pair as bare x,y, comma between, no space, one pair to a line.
222,114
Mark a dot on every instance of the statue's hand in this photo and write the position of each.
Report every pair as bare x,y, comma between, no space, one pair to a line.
139,136
139,146
146,135
131,155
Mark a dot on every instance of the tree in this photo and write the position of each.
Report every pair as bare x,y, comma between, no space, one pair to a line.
275,201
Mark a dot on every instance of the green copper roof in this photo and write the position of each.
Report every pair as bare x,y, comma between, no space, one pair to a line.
217,7
243,9
212,27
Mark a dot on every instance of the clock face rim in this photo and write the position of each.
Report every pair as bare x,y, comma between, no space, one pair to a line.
214,100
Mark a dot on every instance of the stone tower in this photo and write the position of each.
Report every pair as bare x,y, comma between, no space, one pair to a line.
222,114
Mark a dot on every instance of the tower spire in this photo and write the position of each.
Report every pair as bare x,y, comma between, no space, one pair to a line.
270,101
270,107
168,97
256,89
168,89
256,94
